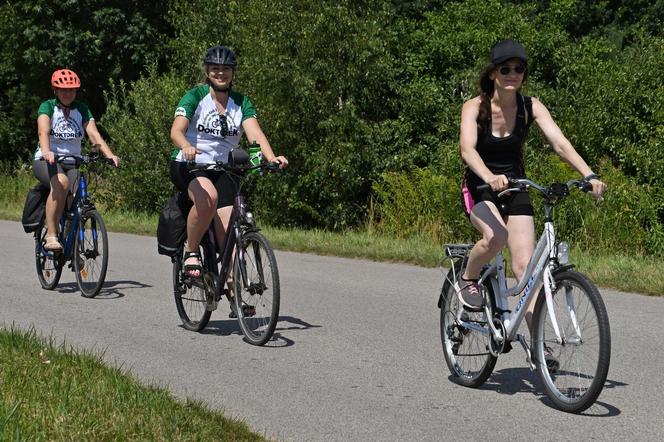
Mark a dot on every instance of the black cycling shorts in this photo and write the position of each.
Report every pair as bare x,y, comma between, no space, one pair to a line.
223,182
44,171
516,203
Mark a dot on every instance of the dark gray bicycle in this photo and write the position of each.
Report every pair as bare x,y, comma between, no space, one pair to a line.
246,255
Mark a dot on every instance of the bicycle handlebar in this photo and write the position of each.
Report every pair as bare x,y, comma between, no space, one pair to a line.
221,166
78,160
554,190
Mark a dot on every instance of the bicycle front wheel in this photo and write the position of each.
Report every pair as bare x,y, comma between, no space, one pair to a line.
579,361
49,265
192,295
466,348
256,288
90,255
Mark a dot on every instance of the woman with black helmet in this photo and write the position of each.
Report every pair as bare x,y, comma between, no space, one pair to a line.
494,127
61,123
209,122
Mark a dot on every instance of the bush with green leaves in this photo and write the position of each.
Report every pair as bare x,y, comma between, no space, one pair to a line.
139,119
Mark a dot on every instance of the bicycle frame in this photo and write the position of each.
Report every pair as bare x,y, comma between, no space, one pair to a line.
239,217
74,213
538,273
233,234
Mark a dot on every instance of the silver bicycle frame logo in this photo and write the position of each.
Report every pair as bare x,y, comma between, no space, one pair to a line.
526,292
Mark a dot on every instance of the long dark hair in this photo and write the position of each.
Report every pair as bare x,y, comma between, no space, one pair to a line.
486,92
487,88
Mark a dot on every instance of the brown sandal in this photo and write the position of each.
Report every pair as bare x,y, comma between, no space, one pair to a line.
52,244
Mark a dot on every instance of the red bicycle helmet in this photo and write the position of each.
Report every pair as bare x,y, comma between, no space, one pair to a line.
65,79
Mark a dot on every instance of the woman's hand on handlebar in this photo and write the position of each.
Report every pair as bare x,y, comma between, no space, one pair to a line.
598,189
281,161
115,159
49,157
189,152
498,182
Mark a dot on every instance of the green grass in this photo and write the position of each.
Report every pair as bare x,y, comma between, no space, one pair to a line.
640,274
54,392
628,273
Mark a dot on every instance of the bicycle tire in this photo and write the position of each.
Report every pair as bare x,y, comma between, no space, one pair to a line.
90,253
48,264
466,351
192,296
255,258
583,358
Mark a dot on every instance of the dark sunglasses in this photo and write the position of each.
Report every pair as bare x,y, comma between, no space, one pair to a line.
223,124
519,69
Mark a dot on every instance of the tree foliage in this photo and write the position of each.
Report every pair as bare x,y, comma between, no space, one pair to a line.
101,40
363,97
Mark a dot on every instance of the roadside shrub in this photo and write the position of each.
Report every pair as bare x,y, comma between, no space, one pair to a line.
423,203
420,203
138,120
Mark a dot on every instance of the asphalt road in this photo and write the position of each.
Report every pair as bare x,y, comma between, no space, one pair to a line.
357,354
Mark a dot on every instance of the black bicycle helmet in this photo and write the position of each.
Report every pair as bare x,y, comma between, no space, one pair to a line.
220,55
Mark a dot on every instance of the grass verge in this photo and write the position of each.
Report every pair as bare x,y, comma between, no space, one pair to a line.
54,392
640,274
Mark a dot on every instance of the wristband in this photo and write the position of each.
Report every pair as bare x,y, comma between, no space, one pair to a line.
592,176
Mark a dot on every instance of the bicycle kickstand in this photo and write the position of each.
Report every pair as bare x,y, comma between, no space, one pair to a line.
526,348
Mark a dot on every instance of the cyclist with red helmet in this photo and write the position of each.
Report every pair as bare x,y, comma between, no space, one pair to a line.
209,122
61,124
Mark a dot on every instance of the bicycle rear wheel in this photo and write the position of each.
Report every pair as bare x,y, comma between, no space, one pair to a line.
90,255
193,295
466,350
49,265
584,355
256,298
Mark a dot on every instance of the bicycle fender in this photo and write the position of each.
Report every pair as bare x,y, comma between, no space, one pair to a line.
562,269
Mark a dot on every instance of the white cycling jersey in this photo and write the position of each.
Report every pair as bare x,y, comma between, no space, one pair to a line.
66,133
212,134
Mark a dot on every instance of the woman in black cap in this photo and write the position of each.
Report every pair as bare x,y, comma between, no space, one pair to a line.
494,127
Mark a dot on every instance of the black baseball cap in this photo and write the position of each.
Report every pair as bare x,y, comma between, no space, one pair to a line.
506,49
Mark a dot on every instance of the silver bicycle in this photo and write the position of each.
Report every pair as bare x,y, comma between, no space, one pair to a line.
571,344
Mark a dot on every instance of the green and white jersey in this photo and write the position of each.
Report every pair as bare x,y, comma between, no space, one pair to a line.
66,133
213,135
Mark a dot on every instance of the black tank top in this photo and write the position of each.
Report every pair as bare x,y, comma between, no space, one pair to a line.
504,155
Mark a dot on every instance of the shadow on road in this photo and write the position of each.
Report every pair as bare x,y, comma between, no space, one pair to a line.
229,327
521,380
110,289
297,324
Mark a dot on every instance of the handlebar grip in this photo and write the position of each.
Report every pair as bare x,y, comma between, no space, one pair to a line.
586,186
483,187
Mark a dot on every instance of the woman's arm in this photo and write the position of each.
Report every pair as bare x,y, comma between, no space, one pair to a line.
43,129
468,142
562,146
254,133
178,129
96,139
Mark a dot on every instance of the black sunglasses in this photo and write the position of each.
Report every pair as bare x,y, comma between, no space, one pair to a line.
223,125
519,69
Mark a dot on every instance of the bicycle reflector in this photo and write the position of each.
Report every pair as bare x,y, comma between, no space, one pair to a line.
563,253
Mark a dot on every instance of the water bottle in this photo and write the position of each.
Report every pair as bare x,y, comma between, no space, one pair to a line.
255,155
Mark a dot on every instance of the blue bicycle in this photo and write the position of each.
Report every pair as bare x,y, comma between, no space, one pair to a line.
83,235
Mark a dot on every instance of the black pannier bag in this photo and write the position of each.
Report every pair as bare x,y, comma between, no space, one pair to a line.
34,208
172,226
